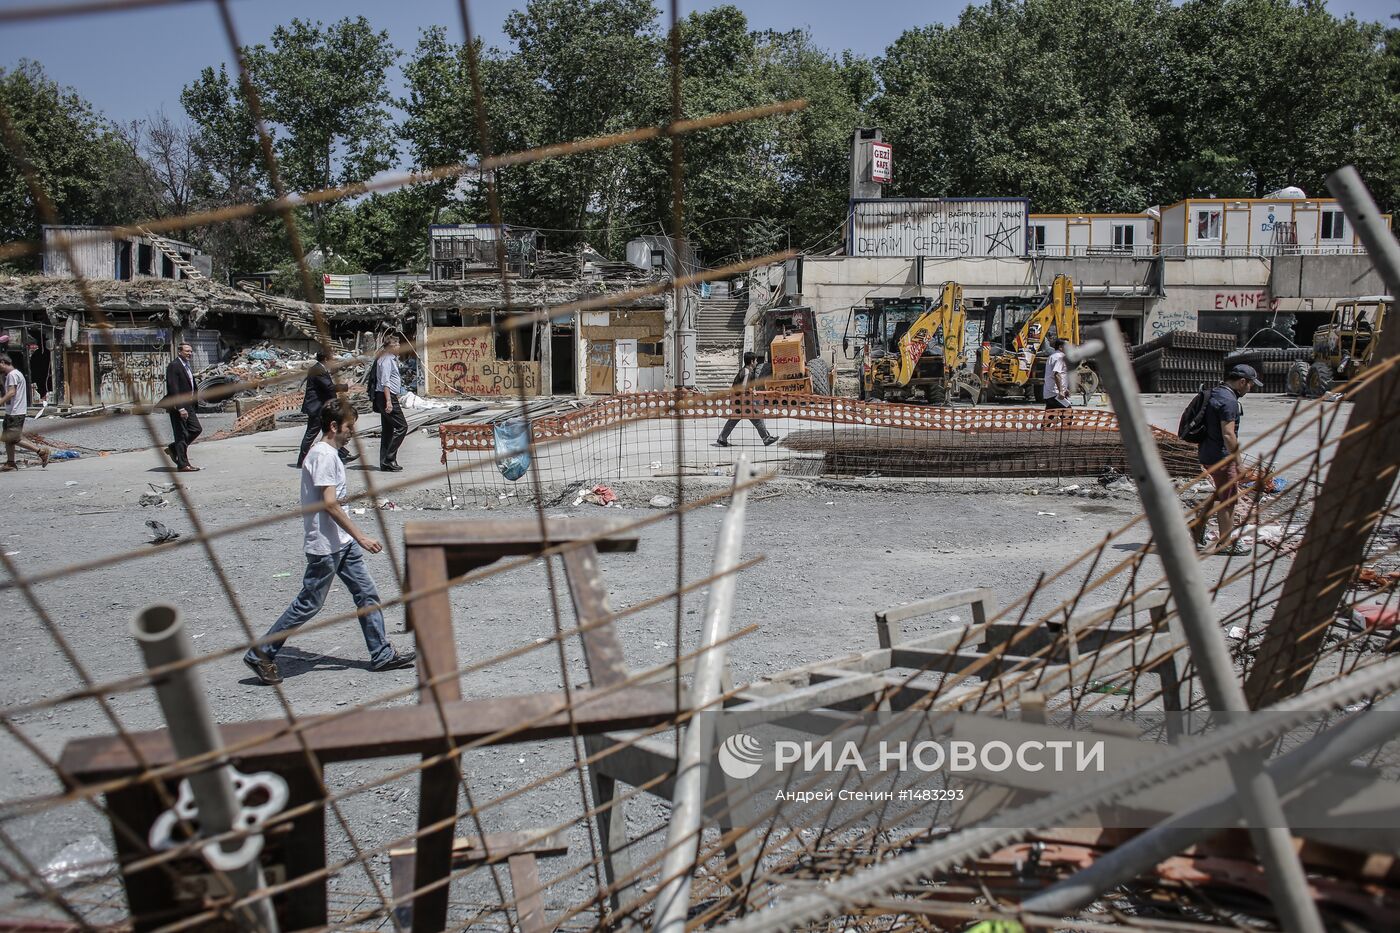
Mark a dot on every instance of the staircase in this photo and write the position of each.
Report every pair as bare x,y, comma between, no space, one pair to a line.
168,250
719,323
715,368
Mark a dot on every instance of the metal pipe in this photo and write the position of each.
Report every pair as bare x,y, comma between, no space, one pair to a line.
1258,797
1333,748
693,766
160,632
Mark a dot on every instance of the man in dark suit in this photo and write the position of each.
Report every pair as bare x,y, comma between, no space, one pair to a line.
179,403
749,372
320,389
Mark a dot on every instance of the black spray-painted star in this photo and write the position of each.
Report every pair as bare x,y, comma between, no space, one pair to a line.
1001,238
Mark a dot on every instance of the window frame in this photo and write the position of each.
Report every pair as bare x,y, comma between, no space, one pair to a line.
1336,219
1215,218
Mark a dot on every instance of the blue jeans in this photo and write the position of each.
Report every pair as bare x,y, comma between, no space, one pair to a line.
349,565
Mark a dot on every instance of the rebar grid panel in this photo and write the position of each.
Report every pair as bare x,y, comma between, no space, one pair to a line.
626,438
1052,641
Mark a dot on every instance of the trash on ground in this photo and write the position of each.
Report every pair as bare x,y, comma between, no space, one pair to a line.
162,533
661,502
1102,686
1122,484
1236,632
71,482
1377,616
64,455
84,860
1051,514
599,495
1375,580
151,499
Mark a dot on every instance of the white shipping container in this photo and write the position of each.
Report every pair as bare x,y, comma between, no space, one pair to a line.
939,227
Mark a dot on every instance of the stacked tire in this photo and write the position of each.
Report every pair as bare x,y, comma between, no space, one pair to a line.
1274,366
1181,360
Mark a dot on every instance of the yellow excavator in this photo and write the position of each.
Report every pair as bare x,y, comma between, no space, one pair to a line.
893,337
1010,363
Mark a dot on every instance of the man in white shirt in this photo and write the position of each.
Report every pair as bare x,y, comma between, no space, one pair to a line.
334,547
14,402
393,426
1056,389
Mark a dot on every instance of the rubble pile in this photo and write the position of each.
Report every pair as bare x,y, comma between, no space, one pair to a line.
262,361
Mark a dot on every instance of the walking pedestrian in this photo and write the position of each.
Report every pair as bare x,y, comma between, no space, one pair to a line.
1219,452
334,547
747,373
179,403
393,426
320,390
15,405
1056,388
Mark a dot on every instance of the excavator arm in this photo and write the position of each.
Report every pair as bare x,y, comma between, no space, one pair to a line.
947,316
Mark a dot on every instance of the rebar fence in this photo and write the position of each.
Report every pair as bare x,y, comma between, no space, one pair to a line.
632,437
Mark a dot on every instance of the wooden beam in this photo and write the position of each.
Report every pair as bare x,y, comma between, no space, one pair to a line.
382,733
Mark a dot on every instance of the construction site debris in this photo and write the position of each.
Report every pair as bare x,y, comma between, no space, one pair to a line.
661,502
86,859
150,499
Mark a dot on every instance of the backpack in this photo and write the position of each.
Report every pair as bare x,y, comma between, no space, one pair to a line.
1192,427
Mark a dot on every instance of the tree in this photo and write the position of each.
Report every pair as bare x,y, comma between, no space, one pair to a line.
325,88
80,160
170,166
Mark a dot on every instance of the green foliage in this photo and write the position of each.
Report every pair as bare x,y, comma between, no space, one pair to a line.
1078,105
89,173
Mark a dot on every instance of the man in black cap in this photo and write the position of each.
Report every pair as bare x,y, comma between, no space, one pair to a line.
1219,452
747,373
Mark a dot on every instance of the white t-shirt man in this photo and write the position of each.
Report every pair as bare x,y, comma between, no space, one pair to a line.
322,468
19,402
1055,367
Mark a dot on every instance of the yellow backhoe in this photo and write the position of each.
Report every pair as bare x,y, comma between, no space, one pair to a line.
1011,362
911,347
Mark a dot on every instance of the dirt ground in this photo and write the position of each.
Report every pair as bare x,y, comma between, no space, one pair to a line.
834,553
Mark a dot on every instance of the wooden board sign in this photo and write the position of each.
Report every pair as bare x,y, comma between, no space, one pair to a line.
462,361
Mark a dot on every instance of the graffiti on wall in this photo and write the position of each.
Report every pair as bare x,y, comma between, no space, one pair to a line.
462,361
989,227
146,371
1245,301
1166,320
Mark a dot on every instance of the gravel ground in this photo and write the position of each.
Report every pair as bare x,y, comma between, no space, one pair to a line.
834,554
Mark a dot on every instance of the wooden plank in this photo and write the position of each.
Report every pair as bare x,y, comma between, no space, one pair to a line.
525,882
430,617
378,733
471,850
887,623
602,651
945,662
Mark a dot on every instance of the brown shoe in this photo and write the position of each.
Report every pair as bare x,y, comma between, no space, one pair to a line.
188,469
44,453
8,468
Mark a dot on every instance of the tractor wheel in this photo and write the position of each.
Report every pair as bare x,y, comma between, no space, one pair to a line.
1296,381
820,374
1319,379
1088,383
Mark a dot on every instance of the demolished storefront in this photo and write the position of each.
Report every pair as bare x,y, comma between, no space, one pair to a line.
608,347
145,320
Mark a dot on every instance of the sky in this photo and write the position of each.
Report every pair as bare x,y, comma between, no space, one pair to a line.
132,63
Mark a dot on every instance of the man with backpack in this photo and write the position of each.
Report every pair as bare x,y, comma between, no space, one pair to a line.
1212,422
385,391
